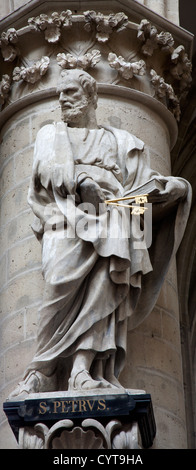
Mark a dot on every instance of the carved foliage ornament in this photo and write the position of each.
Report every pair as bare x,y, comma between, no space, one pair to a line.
5,85
126,69
105,25
90,435
151,40
33,73
7,44
68,61
51,25
165,90
181,67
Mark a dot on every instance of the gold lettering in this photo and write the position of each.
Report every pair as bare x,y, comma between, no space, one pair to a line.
64,407
90,405
102,405
56,405
82,404
42,407
73,405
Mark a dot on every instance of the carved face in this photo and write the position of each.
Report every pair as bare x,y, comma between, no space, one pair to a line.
73,100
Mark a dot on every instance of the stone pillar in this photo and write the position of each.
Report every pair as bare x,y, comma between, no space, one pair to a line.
139,73
167,8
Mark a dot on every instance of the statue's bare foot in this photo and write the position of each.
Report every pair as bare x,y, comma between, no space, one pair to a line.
82,380
34,382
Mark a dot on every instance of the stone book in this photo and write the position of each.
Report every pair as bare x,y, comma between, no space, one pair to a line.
151,188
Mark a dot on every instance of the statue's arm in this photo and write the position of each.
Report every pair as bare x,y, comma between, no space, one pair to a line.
140,172
175,189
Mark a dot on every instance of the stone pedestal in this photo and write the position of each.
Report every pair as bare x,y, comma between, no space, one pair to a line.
90,420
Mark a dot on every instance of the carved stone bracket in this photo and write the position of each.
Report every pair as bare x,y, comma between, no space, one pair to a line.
89,434
58,420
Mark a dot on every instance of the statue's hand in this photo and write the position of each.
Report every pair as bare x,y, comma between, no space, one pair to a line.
175,189
91,192
61,181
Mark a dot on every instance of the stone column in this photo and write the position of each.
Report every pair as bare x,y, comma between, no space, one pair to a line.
167,8
139,67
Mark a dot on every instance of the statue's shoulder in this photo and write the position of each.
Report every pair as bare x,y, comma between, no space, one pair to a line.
130,140
47,129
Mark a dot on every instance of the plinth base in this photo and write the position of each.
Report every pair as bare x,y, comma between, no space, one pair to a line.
77,420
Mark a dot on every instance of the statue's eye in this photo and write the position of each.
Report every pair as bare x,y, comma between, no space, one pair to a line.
70,91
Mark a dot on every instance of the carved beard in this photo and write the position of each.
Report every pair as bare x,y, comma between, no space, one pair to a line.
76,110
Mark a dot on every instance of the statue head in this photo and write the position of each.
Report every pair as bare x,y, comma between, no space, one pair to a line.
77,94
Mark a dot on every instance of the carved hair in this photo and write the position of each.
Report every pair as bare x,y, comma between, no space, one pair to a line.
87,82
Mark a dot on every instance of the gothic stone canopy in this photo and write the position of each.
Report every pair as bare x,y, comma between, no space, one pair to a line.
41,38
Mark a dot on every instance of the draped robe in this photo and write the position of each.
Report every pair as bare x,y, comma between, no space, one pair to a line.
95,287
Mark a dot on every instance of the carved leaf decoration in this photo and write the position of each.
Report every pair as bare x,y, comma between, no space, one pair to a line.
68,61
126,69
166,41
126,439
105,432
51,25
165,90
7,41
181,67
148,35
104,25
30,439
151,40
145,30
5,85
33,73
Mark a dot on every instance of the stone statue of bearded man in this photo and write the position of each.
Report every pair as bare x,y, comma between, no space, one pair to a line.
95,286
